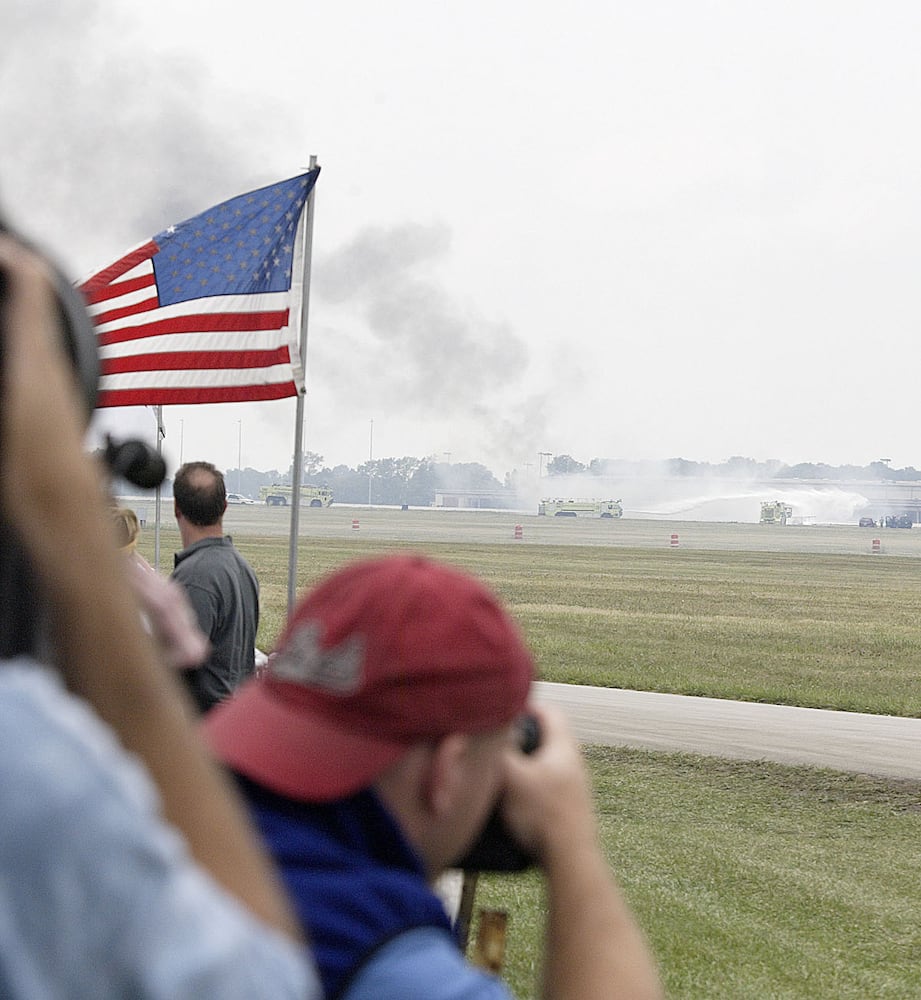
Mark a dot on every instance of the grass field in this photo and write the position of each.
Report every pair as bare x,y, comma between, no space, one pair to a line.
822,628
751,879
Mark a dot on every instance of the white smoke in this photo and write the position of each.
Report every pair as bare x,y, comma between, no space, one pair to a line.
395,341
651,496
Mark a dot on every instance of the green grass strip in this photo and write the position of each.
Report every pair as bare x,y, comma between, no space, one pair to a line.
752,880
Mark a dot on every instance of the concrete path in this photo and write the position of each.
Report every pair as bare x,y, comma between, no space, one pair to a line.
845,741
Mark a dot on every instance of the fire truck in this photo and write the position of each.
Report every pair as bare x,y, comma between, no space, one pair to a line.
775,512
580,508
311,496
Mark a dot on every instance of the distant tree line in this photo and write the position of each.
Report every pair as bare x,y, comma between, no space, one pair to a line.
415,481
392,481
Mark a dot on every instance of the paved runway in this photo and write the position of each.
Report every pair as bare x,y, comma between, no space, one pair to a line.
882,745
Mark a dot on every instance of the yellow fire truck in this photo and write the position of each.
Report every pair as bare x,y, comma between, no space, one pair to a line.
580,508
775,512
311,496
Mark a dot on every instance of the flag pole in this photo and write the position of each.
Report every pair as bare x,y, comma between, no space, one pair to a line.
298,463
161,434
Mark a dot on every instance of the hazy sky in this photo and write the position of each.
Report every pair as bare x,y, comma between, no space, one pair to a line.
635,230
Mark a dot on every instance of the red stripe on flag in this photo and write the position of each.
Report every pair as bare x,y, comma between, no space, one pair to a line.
171,361
120,267
201,394
197,323
148,305
119,288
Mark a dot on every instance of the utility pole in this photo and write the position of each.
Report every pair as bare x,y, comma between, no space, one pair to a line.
239,455
370,460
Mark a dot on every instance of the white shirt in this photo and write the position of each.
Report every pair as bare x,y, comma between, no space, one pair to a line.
98,896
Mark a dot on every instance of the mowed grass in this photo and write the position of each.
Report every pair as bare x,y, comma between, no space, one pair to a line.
750,879
817,631
820,631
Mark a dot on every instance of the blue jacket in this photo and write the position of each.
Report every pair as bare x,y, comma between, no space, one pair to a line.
355,881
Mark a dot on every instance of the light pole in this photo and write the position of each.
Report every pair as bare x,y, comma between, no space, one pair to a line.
239,455
526,475
885,463
370,459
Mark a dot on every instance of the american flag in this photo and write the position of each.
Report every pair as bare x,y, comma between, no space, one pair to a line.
208,310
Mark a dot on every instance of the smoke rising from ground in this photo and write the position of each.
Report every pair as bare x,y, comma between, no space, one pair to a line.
393,341
651,495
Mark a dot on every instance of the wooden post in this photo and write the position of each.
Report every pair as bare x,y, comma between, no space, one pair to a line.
465,909
489,950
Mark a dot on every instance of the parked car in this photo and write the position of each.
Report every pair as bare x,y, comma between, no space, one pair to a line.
238,498
867,522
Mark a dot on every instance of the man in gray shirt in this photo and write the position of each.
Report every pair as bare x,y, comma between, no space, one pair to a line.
220,584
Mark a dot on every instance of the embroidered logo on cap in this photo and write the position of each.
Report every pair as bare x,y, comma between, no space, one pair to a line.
304,661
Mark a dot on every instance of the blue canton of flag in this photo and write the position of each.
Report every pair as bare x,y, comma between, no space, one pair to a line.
243,246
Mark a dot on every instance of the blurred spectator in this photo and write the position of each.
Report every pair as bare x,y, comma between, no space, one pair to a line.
99,896
166,612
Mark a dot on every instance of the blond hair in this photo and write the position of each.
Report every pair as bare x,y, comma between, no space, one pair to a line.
127,528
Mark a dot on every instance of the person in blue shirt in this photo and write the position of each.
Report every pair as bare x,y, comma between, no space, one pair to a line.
128,867
372,752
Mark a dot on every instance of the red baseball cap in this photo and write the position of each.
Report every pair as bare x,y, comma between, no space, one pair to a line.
382,654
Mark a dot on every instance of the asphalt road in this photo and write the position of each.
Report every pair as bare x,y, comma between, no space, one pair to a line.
882,745
498,527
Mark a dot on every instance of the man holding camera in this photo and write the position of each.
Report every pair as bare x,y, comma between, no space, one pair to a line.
373,752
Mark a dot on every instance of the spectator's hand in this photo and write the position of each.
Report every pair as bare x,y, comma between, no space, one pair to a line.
547,803
181,643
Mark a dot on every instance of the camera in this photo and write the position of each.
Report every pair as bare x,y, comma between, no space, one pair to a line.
495,850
